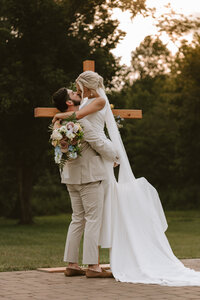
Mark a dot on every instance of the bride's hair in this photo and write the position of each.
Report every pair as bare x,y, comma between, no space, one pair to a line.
90,80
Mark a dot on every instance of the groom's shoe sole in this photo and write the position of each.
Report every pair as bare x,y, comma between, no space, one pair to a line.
74,272
103,274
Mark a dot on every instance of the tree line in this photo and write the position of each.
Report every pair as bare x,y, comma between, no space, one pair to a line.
43,45
164,146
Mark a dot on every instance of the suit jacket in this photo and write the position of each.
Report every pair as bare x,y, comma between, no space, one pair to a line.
89,167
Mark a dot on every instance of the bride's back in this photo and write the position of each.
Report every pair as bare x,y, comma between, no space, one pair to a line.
97,119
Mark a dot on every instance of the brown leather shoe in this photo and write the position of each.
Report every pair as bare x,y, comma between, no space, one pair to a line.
95,274
74,272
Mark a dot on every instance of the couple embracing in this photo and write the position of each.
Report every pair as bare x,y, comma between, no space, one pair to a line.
124,215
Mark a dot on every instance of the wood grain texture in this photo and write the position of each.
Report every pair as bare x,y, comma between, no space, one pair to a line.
62,269
128,113
49,112
45,112
88,65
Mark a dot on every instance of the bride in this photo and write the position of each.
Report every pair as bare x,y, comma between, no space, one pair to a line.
133,224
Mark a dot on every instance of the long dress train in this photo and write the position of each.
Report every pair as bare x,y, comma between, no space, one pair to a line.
134,223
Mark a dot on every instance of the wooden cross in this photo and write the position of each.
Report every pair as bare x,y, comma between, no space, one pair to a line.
89,65
40,112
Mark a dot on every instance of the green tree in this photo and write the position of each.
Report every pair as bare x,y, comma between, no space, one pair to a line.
150,141
43,44
151,58
164,146
186,106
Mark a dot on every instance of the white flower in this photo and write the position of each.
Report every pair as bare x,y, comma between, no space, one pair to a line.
73,155
76,127
58,155
63,129
56,135
58,159
80,128
54,143
70,135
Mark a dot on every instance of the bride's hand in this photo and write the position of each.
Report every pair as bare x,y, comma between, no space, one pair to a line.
62,116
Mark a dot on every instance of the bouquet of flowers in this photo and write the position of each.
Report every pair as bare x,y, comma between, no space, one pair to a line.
67,140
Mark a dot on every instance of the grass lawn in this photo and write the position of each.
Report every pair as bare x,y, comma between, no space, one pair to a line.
42,244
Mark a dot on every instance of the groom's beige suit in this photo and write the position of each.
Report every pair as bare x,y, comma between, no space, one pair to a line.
83,177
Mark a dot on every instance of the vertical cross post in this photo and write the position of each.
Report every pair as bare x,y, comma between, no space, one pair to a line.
88,65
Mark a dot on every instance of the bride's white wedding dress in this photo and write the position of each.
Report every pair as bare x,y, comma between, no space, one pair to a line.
134,224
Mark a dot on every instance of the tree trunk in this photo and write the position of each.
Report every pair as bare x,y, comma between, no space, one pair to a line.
25,188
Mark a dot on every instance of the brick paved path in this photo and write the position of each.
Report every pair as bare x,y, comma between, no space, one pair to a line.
41,286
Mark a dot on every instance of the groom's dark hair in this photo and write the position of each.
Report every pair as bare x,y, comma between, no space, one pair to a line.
60,97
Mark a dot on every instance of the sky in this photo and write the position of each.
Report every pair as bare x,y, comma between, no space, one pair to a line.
140,27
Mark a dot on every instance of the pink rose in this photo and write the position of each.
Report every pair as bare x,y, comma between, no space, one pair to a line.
70,126
64,145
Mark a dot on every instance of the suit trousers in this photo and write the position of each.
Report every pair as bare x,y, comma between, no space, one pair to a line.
87,206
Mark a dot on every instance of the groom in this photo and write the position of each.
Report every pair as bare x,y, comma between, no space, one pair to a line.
83,177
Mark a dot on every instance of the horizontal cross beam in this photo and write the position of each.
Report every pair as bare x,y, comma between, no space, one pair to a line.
49,112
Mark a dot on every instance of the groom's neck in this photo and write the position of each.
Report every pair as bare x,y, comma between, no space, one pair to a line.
73,108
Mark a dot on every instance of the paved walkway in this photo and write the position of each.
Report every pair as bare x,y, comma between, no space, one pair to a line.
41,286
